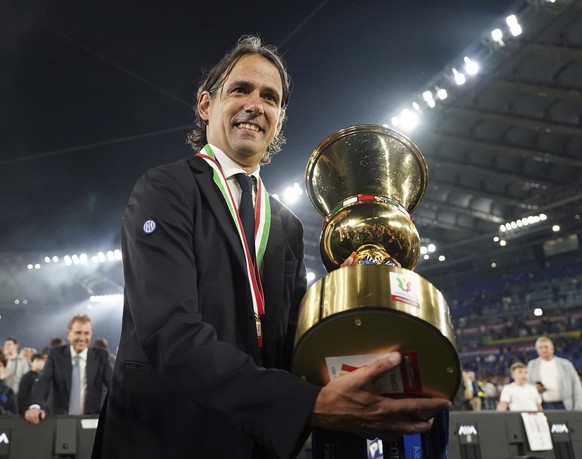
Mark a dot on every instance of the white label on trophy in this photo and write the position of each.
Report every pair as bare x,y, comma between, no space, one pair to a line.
404,379
404,289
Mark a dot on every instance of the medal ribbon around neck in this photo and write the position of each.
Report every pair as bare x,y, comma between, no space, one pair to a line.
262,227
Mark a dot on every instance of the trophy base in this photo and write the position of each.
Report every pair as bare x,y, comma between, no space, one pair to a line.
355,314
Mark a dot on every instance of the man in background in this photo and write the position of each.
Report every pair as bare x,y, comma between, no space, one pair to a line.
17,365
76,375
555,378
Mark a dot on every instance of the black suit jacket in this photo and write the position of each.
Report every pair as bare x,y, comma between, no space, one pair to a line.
56,376
187,383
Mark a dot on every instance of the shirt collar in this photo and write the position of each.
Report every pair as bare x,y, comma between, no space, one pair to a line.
82,354
229,167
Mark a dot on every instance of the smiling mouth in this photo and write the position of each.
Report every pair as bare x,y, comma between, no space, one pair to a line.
248,126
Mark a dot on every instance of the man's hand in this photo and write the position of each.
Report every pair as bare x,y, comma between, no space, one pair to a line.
350,261
351,404
34,415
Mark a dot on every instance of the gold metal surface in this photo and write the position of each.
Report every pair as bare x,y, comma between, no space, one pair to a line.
352,311
366,159
366,180
364,223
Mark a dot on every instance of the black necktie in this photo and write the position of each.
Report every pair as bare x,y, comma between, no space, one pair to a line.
246,210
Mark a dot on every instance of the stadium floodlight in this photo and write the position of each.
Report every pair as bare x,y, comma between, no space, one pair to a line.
442,258
395,121
292,193
515,30
431,248
471,67
556,228
497,35
538,312
427,96
511,20
310,276
442,94
409,119
502,243
460,78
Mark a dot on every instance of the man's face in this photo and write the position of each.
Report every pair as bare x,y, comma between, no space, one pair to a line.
10,348
545,350
519,375
79,335
244,115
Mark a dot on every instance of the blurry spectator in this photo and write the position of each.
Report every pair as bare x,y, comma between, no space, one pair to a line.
27,382
477,394
57,341
490,395
7,396
76,375
519,395
27,353
17,366
555,378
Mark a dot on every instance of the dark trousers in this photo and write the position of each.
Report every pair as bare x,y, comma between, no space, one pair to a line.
553,406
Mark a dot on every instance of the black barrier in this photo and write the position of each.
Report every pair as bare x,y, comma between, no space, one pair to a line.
56,437
502,435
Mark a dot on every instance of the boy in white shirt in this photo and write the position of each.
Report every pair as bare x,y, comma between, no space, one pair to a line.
519,395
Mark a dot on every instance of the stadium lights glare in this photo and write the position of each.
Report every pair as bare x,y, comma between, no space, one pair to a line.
538,312
497,35
409,119
292,193
515,30
459,77
471,67
310,276
525,221
442,93
556,228
511,20
80,259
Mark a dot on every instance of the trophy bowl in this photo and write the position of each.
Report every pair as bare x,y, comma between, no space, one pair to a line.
365,181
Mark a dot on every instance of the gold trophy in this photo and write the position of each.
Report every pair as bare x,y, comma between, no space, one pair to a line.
365,181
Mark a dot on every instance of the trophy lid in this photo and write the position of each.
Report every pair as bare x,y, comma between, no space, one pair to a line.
366,159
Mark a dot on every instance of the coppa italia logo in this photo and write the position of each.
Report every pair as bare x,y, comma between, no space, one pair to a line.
404,288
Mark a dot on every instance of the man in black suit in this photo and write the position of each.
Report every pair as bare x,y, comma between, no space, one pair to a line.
76,374
210,314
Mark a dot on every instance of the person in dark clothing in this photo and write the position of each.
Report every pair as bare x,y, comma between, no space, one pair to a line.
27,382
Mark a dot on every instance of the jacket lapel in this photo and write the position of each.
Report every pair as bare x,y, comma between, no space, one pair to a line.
203,174
68,367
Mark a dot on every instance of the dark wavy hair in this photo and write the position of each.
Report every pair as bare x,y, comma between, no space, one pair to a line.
213,79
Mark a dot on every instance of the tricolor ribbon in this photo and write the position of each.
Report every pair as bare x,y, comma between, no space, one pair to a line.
262,227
